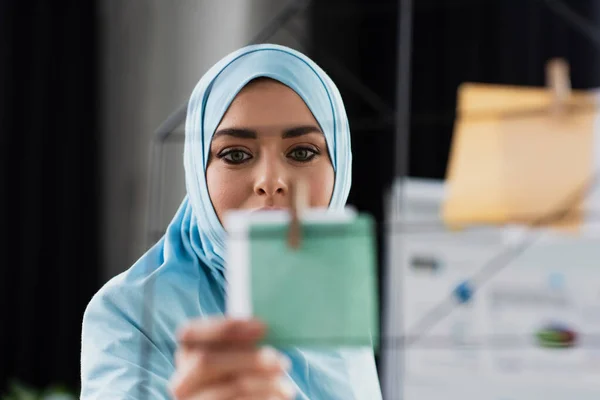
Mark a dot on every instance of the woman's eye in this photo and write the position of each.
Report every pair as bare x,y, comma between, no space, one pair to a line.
302,154
235,156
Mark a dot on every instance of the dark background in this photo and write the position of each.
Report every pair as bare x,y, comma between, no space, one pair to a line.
49,186
49,141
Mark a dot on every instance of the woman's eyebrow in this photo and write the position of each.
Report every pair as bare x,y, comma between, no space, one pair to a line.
300,130
242,133
246,133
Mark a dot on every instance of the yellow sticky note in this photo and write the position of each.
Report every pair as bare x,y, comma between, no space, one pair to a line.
513,160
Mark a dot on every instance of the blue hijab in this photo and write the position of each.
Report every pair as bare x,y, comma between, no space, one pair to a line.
129,326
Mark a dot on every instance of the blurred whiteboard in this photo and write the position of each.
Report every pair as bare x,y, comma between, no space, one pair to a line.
490,348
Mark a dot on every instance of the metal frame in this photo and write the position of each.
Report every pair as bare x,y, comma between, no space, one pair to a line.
392,310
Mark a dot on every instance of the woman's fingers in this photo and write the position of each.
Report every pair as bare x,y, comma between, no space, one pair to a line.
202,368
218,359
256,385
221,332
247,387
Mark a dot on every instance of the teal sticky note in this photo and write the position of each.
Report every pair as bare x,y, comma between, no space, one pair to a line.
323,293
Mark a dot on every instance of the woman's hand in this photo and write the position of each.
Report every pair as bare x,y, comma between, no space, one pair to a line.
219,360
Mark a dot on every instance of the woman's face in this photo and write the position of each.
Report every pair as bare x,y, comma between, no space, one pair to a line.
266,140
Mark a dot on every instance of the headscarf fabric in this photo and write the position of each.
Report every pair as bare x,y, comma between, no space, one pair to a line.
129,326
212,97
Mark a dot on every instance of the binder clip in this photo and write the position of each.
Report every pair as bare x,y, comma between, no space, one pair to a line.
299,203
559,83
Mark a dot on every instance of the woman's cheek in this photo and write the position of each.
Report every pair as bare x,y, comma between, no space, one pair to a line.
321,186
227,189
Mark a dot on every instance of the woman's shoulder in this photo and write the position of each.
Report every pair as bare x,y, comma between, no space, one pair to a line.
170,291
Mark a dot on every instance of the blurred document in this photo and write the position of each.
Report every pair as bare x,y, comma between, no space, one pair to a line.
532,332
320,294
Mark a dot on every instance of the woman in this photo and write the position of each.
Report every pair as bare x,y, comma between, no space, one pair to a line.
262,117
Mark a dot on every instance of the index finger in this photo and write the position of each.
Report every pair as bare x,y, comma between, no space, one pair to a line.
221,331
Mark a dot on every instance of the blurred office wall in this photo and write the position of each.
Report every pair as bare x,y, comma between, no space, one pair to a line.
48,187
153,53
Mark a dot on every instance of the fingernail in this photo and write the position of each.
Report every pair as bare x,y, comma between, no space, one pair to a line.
287,388
269,357
182,332
285,362
174,383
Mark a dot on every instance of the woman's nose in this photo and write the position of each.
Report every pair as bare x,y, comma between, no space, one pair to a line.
270,180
